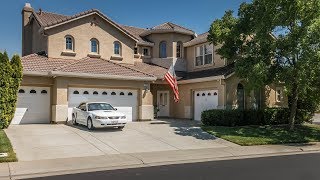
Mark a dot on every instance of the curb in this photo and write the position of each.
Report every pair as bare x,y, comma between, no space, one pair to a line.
162,163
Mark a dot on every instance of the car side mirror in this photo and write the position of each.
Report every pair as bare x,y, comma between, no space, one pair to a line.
115,109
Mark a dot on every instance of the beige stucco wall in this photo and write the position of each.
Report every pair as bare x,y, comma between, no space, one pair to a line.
171,39
270,97
83,30
190,53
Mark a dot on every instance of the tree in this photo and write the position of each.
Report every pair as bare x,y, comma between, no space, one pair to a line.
274,41
10,79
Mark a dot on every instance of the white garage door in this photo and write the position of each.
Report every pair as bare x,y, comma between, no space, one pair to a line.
124,100
204,100
33,105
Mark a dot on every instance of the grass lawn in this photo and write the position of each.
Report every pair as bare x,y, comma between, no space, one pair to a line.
261,135
5,147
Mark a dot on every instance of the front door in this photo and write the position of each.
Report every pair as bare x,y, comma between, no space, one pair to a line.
163,103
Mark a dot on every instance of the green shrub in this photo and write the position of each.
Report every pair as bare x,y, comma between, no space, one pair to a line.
10,78
268,116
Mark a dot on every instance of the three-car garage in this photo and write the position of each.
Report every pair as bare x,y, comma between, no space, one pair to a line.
34,103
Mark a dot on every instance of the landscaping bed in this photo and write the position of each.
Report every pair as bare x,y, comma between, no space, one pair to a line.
5,147
262,135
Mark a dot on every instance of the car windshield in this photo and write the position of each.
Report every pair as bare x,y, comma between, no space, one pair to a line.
99,106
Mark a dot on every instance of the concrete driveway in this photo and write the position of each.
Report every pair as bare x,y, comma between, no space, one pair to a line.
37,142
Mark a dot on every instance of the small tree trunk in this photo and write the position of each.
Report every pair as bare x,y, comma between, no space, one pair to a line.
293,108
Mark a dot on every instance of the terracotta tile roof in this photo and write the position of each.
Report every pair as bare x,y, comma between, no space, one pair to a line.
202,38
153,69
222,71
102,66
38,63
171,26
136,32
47,19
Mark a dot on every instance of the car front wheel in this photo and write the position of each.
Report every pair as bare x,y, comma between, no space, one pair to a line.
120,127
89,124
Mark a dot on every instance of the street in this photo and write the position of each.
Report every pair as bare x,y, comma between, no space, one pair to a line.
291,167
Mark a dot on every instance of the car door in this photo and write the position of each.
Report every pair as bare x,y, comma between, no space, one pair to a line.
81,114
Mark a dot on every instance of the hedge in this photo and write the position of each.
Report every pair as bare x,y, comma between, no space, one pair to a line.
268,116
10,79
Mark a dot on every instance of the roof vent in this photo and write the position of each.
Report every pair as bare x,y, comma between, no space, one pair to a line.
27,5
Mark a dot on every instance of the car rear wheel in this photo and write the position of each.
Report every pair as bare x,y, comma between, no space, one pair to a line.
89,124
74,120
120,127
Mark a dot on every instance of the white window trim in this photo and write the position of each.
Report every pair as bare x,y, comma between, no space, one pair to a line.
277,94
148,54
203,57
120,48
181,49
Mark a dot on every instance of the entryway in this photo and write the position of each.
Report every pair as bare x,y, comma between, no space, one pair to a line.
163,103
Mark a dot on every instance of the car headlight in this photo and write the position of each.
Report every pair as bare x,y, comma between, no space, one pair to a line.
123,117
100,117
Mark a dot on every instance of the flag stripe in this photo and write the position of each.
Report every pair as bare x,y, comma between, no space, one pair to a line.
170,77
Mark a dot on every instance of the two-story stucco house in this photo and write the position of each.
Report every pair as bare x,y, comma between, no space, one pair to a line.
89,57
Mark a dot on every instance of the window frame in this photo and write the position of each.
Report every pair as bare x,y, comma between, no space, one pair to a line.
115,48
179,50
203,55
135,50
143,51
279,94
160,49
66,43
97,45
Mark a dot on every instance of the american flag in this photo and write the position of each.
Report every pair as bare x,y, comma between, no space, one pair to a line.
171,78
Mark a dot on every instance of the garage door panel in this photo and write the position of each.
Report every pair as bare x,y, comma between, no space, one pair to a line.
33,105
204,100
124,100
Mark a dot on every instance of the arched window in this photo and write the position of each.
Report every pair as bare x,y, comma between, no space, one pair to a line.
113,93
69,43
117,48
75,92
122,94
85,92
240,96
94,45
179,49
21,91
33,91
130,94
95,93
163,49
44,92
104,93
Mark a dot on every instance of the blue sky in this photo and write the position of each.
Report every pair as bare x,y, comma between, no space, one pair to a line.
196,15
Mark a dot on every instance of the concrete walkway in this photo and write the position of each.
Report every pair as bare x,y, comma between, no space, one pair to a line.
40,168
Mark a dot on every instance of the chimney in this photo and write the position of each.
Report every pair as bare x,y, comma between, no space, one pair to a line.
40,11
26,29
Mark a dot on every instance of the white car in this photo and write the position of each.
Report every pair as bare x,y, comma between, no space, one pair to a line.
98,115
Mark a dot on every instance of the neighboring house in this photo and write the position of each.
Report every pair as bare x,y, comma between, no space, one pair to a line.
88,57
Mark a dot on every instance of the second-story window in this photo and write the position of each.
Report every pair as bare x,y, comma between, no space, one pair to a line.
135,50
204,55
179,50
69,43
146,52
117,48
94,46
163,49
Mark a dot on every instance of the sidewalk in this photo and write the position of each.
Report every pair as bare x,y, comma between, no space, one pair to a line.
28,169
